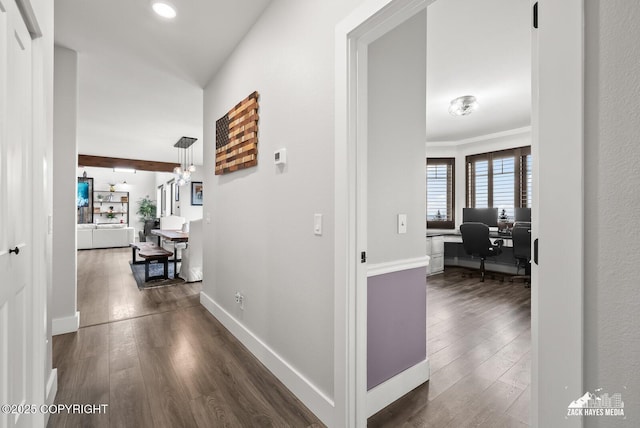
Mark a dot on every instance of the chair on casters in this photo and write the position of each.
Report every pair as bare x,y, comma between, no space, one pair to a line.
476,242
521,235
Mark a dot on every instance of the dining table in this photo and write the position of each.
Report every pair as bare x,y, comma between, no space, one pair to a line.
174,236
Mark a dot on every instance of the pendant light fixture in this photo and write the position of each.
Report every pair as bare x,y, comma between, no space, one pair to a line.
183,171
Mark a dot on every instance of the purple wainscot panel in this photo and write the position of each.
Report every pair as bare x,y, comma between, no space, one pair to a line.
396,323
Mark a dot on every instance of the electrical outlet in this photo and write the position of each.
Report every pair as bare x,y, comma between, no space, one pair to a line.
240,299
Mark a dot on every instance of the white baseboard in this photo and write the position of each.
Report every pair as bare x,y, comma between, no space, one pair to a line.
321,405
52,387
389,391
51,391
65,325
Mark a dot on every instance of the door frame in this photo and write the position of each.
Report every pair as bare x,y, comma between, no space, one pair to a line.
43,382
557,314
557,121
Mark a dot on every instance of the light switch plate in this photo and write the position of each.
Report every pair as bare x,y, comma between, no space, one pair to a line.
317,224
402,223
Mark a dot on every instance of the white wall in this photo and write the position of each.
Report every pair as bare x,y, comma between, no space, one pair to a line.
482,144
260,240
162,178
167,179
129,105
612,238
139,185
183,207
65,154
43,63
396,135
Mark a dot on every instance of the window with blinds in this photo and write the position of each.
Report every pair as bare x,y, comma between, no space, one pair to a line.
500,180
504,178
481,184
440,193
527,179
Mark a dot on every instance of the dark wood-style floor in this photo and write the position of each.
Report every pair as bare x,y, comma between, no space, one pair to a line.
107,291
159,359
479,340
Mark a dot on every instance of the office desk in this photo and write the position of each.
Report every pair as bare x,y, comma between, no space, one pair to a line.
457,238
455,255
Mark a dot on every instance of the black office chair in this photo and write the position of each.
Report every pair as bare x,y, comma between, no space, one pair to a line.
476,242
521,235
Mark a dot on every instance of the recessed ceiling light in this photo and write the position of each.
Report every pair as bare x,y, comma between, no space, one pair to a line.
164,9
463,106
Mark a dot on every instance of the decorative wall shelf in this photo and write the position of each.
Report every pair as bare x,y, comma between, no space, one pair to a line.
104,199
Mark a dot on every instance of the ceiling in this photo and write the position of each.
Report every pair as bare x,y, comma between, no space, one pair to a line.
141,76
479,48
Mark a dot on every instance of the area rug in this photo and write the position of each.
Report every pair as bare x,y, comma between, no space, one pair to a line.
154,269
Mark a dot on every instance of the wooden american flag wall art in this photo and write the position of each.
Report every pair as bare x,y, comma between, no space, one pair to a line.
237,137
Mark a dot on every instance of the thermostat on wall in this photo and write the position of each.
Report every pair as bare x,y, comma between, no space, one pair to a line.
280,157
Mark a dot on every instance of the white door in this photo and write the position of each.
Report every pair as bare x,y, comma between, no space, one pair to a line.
557,281
16,324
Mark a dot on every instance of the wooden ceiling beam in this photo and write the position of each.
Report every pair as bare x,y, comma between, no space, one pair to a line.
140,165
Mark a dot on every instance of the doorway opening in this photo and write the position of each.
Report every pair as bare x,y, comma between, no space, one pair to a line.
558,78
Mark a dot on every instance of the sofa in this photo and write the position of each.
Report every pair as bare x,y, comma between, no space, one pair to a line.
104,236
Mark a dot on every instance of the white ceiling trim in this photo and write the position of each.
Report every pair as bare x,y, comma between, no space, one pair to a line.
480,138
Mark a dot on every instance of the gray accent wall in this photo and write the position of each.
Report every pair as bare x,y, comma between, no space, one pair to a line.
396,302
612,206
396,323
396,142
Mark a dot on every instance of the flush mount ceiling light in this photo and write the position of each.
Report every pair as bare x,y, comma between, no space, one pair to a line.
463,106
164,9
127,170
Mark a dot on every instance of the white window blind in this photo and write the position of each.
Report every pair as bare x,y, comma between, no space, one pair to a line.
440,192
500,180
504,178
481,183
527,194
